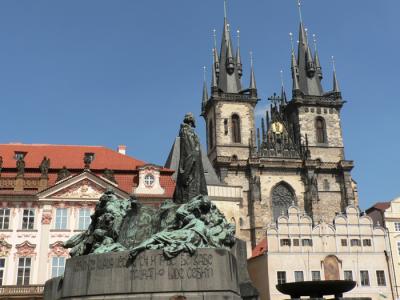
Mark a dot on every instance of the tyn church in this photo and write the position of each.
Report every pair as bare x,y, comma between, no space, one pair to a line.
295,157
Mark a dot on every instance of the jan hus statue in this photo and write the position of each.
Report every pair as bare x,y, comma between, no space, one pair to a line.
190,180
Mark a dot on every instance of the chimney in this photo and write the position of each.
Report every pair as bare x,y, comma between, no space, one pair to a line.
122,149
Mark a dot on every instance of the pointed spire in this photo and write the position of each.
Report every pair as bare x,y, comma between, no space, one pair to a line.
228,77
238,56
283,91
308,83
214,76
205,90
253,85
215,53
317,62
295,68
300,13
336,87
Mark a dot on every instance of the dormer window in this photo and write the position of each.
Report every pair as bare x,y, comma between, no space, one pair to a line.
19,155
149,180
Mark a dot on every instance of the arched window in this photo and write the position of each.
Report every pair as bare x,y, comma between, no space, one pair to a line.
236,137
320,130
210,134
282,198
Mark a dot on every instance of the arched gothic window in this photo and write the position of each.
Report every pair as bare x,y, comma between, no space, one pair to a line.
320,130
236,136
210,134
282,198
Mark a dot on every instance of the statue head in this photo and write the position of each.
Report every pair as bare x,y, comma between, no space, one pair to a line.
190,120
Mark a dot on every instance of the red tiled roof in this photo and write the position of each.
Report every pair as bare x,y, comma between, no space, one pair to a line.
69,156
260,249
125,167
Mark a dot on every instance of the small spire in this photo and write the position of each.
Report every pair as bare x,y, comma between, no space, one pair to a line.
263,130
295,68
336,87
214,81
253,85
283,91
238,56
215,53
205,90
317,62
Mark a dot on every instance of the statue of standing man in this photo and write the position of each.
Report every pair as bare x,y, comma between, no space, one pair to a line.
190,181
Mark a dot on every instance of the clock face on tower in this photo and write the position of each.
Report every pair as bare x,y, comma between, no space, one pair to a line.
277,127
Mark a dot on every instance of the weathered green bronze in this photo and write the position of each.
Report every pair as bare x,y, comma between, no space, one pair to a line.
184,224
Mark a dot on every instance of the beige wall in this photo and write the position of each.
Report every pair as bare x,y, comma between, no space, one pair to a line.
392,216
326,240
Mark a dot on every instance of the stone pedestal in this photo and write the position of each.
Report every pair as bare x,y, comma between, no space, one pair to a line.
210,274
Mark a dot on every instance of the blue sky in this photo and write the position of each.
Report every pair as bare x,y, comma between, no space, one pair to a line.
99,72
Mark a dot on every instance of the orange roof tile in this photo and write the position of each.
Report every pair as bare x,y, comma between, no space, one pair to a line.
260,249
69,156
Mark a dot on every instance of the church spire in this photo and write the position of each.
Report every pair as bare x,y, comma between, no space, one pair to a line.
238,56
309,83
253,85
229,78
317,63
205,92
336,88
295,67
215,54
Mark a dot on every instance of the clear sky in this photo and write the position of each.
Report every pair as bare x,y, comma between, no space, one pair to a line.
109,72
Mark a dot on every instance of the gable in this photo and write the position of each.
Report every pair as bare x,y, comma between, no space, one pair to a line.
85,186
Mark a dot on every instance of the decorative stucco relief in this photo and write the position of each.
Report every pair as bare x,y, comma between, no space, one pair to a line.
25,249
82,189
5,248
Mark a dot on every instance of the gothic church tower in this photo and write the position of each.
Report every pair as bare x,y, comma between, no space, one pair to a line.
296,157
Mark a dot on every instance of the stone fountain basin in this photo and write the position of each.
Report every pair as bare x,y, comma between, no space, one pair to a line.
316,288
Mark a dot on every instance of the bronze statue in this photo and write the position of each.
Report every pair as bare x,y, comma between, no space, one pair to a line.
20,167
44,167
63,173
190,181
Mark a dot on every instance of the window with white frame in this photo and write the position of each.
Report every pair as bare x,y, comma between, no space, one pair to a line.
364,276
316,275
61,218
348,275
24,271
380,278
28,219
281,276
57,266
4,218
298,276
397,226
84,218
2,270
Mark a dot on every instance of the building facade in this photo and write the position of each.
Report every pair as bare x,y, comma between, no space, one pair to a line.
350,248
388,215
47,195
298,154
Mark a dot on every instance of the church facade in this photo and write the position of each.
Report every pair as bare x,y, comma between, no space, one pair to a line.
296,157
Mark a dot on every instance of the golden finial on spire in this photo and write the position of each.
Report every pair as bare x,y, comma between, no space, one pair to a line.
291,40
215,38
251,58
204,73
300,13
282,82
238,37
315,42
225,9
333,64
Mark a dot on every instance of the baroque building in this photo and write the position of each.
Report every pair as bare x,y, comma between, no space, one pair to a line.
47,195
296,156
